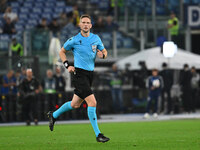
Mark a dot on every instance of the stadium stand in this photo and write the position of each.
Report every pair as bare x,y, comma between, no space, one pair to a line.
30,13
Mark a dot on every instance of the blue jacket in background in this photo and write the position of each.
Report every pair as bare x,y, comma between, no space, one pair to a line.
9,90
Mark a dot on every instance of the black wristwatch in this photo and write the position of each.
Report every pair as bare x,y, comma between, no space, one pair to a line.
66,64
103,56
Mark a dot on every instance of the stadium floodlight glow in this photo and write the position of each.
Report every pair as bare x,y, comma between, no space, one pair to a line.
169,49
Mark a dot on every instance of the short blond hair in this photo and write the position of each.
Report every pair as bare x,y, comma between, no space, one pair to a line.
85,16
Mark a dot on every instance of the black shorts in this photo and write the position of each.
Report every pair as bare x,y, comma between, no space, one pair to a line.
82,80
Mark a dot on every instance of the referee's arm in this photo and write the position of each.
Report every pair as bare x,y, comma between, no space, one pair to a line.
62,54
63,57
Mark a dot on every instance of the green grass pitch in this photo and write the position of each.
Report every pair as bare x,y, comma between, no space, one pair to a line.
157,135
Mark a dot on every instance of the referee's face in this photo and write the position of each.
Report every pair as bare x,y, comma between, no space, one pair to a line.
85,24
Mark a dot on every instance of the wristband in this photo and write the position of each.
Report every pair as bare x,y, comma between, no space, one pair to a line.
103,56
66,64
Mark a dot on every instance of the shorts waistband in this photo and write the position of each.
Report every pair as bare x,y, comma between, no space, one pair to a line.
82,70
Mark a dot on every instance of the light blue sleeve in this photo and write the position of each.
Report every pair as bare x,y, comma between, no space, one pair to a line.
100,45
68,45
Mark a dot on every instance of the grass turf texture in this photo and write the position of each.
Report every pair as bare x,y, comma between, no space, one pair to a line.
158,135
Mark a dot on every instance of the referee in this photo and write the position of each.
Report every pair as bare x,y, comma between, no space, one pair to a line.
85,46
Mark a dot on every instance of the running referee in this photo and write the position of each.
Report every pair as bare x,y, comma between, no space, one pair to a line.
85,46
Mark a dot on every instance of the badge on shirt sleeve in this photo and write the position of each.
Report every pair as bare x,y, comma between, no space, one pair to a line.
94,48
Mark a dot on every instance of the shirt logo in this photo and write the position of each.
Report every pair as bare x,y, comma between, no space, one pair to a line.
94,48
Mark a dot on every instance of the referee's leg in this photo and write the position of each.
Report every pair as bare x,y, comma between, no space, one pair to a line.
75,103
91,101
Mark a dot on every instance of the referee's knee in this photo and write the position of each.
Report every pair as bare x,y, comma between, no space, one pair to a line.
92,103
75,105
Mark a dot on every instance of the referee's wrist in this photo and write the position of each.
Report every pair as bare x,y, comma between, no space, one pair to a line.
66,64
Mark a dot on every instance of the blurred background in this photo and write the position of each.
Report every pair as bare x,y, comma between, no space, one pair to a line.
134,33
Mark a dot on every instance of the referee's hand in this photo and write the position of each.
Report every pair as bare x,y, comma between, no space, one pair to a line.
71,69
100,54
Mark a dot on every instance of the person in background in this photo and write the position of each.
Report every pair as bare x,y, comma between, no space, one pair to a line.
9,83
11,15
195,88
54,26
76,17
23,73
99,25
60,80
112,4
18,77
116,89
110,25
142,77
16,48
185,83
43,24
28,89
62,20
49,86
127,75
9,27
154,84
49,83
3,4
173,27
167,76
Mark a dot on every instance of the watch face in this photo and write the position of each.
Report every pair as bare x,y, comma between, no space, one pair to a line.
66,64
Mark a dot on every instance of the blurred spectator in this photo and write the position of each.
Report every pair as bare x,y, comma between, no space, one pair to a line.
60,80
112,4
49,86
154,84
49,83
23,73
9,83
173,26
185,83
11,15
18,77
3,4
167,76
99,25
43,24
142,76
110,25
9,27
195,88
76,17
139,80
116,89
28,90
62,20
111,7
16,48
127,75
54,26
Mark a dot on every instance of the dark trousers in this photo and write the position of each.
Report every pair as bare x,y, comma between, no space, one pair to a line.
29,108
117,98
150,100
194,93
167,99
176,40
186,99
